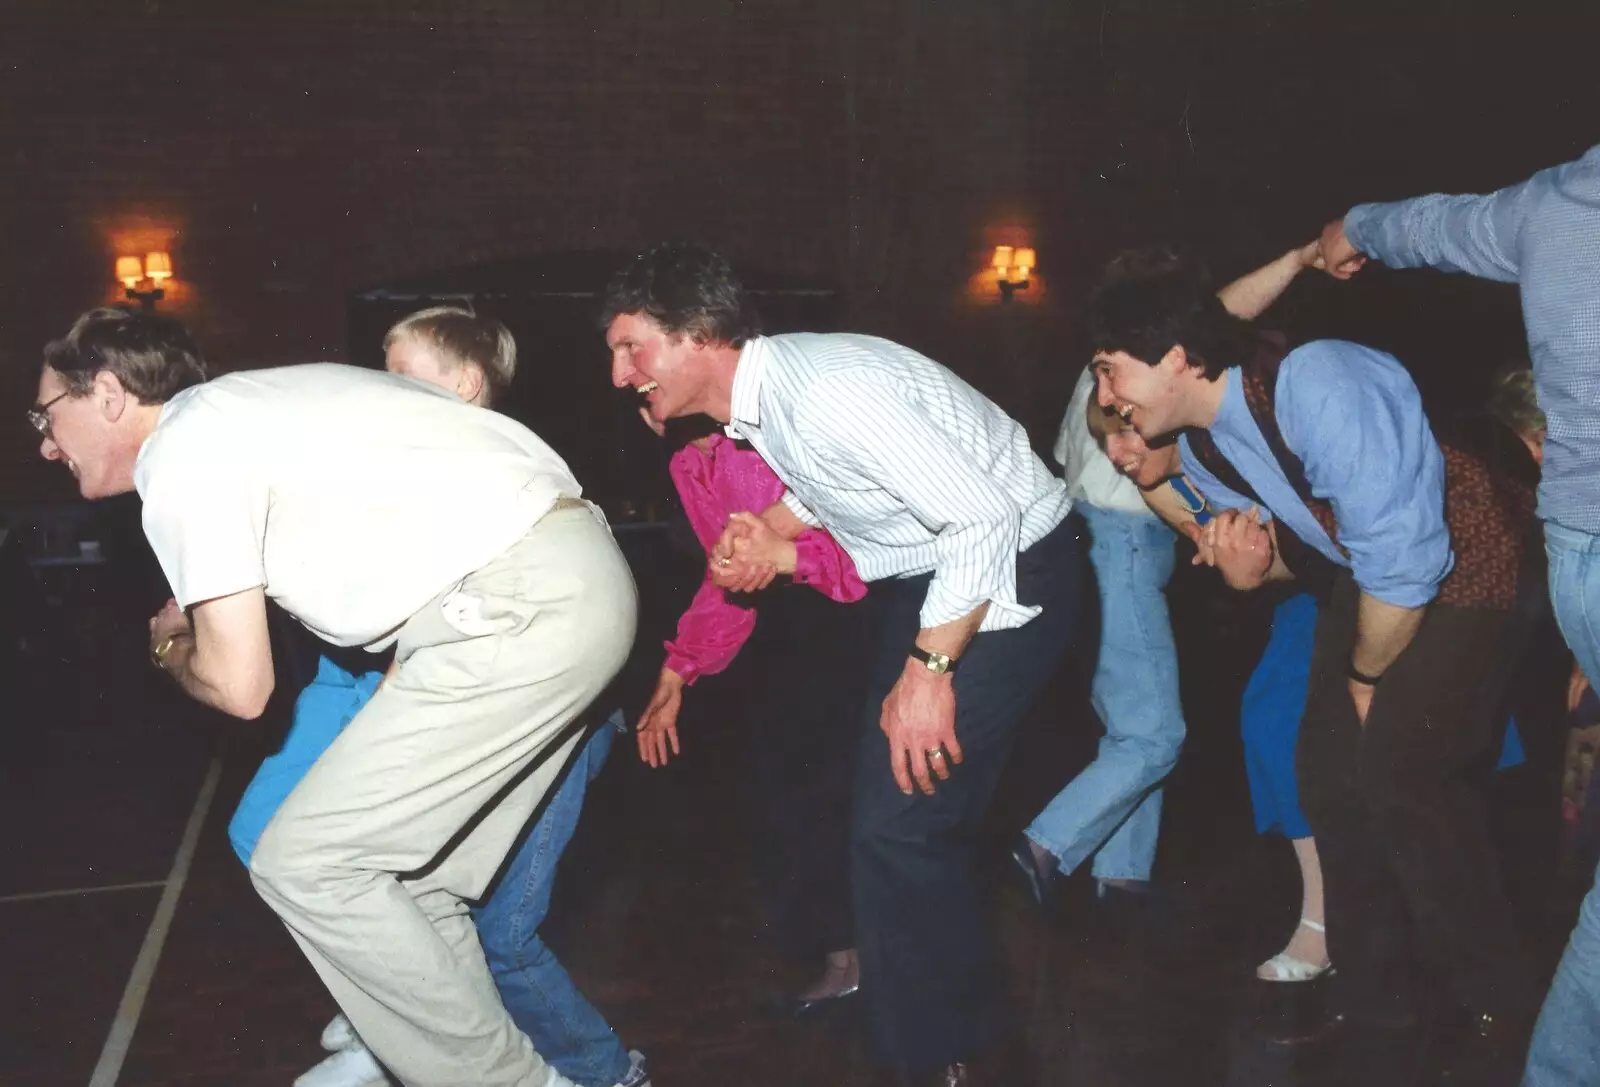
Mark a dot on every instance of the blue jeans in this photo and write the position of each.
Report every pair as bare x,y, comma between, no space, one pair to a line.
563,1026
1113,808
541,999
1566,1042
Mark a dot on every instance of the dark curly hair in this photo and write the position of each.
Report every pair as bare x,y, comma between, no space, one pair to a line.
153,355
1152,300
688,290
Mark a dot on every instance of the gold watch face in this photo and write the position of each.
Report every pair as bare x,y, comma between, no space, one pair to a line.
937,662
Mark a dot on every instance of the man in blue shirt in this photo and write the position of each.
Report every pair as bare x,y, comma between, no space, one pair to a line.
1542,234
1330,441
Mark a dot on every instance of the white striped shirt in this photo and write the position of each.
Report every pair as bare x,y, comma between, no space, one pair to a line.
909,467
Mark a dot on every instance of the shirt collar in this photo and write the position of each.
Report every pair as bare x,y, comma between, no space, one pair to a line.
1233,409
745,401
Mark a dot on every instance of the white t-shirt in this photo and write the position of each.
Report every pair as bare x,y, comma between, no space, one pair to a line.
1089,473
354,496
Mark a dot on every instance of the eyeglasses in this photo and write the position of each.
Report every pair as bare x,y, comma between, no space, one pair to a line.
39,414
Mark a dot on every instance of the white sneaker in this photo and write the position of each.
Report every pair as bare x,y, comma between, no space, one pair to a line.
339,1034
637,1075
352,1067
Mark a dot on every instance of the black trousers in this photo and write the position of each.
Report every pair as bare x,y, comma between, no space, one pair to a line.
1397,808
929,970
811,654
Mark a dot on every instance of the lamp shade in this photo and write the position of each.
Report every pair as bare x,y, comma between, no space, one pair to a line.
158,266
1002,258
129,270
1023,260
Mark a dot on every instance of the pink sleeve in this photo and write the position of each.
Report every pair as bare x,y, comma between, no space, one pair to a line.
711,632
700,503
820,562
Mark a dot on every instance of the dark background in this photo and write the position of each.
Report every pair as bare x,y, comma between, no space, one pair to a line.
289,154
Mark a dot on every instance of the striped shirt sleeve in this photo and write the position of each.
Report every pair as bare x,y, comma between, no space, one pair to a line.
861,420
798,508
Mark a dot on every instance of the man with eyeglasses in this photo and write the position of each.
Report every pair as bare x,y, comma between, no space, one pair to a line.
378,512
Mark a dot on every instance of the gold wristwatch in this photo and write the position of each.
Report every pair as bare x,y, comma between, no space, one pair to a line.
937,663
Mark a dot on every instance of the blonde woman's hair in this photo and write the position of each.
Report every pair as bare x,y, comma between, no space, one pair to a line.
466,339
1513,401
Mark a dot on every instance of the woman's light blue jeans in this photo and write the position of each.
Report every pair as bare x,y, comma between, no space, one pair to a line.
1113,808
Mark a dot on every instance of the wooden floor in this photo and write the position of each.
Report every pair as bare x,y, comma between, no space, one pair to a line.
655,915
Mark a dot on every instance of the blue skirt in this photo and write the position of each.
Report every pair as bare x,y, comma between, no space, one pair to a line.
1269,719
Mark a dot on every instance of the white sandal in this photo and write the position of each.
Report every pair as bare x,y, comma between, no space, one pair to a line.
1286,967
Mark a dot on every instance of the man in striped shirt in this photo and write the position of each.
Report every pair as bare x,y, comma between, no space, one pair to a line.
975,570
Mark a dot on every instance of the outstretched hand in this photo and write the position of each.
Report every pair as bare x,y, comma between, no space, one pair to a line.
1336,255
658,724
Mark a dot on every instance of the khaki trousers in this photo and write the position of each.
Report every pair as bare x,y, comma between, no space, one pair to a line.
416,804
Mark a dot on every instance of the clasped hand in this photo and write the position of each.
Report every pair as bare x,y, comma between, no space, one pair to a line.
749,555
170,620
1335,254
1237,544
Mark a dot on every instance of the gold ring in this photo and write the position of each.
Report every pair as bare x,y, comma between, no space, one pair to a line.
935,752
723,562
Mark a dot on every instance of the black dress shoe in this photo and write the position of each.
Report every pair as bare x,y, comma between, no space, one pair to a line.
1039,886
803,1008
1334,1030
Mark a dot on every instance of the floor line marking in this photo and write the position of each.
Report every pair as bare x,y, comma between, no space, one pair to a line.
120,1039
34,896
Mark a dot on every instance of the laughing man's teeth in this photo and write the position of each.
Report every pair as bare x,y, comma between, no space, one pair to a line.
647,388
1126,411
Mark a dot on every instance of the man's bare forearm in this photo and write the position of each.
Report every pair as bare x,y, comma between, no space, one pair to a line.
1278,571
184,664
1164,502
1250,295
782,520
1382,633
951,638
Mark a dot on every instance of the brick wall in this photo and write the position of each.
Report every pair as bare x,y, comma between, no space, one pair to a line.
286,153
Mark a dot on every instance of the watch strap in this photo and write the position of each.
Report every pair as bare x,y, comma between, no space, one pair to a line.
1359,676
934,662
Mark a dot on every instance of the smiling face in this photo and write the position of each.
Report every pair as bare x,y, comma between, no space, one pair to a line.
667,370
81,432
1129,453
1155,400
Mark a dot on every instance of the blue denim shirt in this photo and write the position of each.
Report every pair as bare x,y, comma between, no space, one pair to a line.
1544,235
1354,418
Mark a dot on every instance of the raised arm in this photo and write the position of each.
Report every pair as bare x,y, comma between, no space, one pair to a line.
1481,235
1250,295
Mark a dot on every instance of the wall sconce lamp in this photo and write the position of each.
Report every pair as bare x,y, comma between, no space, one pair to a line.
1012,267
156,268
